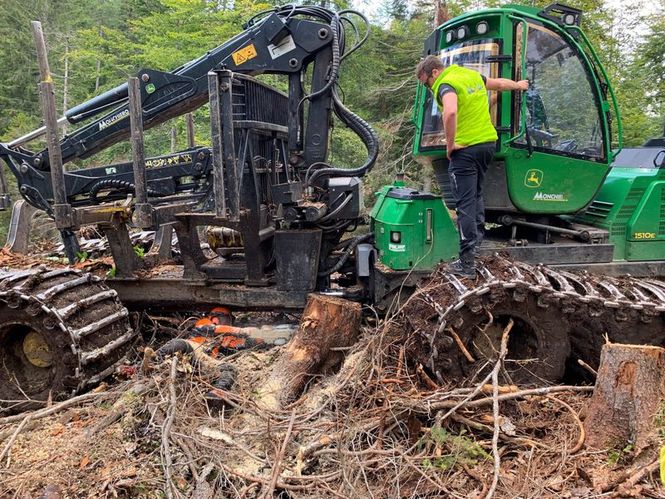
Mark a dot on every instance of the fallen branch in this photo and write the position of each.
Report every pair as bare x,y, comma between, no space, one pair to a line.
636,477
120,408
446,404
495,408
582,437
166,431
279,458
587,367
461,346
16,433
429,382
42,413
628,478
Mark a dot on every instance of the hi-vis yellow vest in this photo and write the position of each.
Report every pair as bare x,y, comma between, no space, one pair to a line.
474,125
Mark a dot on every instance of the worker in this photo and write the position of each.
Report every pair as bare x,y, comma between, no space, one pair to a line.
470,140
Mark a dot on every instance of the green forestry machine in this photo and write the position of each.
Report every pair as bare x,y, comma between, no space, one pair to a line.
281,222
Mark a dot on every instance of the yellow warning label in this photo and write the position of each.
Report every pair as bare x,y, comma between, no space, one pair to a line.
244,54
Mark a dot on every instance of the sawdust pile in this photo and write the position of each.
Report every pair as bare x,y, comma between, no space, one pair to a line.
379,427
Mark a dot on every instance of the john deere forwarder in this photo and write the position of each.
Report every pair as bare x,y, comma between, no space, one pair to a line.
278,214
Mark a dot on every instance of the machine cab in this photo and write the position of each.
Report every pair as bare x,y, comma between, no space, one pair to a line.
554,146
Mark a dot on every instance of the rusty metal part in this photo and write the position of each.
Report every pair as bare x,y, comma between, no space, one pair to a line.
223,238
61,331
173,292
559,316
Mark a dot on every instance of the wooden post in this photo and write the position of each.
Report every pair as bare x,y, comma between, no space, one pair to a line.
327,323
217,145
47,97
191,141
174,139
62,212
142,210
138,152
630,390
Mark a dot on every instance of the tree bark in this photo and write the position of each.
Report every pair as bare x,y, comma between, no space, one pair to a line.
327,323
629,391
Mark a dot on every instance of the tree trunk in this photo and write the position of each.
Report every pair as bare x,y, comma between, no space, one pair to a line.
630,388
65,85
327,323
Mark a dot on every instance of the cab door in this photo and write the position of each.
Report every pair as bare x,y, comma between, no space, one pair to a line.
556,158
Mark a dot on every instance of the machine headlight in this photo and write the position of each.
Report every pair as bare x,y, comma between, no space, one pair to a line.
461,32
482,27
450,36
395,237
569,19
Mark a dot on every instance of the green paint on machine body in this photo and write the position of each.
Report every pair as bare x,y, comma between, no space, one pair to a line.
559,149
412,229
631,206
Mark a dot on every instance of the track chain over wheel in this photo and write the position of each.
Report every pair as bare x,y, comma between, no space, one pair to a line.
558,317
61,331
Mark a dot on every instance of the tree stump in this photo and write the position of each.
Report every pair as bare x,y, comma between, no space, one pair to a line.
327,323
629,391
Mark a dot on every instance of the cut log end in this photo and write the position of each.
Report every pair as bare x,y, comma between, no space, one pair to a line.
327,323
629,392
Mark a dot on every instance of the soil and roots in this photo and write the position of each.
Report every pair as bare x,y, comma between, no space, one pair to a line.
379,427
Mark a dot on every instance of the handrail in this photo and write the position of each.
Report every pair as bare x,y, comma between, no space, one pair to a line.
525,30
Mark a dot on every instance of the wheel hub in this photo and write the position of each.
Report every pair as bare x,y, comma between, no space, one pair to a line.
36,350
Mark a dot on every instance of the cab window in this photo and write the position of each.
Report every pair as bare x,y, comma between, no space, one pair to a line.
562,112
473,55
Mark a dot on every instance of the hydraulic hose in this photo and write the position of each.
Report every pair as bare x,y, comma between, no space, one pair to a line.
366,133
116,184
345,256
359,126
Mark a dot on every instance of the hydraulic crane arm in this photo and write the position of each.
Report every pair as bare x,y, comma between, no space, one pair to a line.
283,41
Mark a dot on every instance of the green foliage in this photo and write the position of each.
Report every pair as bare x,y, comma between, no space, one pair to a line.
460,450
620,454
139,251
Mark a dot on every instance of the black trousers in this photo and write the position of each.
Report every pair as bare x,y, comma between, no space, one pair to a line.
467,170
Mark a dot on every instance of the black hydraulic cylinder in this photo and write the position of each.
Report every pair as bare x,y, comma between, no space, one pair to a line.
96,105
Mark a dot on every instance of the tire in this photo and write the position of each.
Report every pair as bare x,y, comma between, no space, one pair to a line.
61,331
538,344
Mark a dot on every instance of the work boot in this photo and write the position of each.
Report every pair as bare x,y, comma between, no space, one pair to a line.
462,269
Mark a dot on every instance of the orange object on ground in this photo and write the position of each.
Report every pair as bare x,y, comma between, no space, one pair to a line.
217,316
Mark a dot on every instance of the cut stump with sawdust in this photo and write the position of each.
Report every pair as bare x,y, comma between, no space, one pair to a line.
630,388
327,325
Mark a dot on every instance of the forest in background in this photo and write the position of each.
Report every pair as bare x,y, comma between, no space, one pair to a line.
94,46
